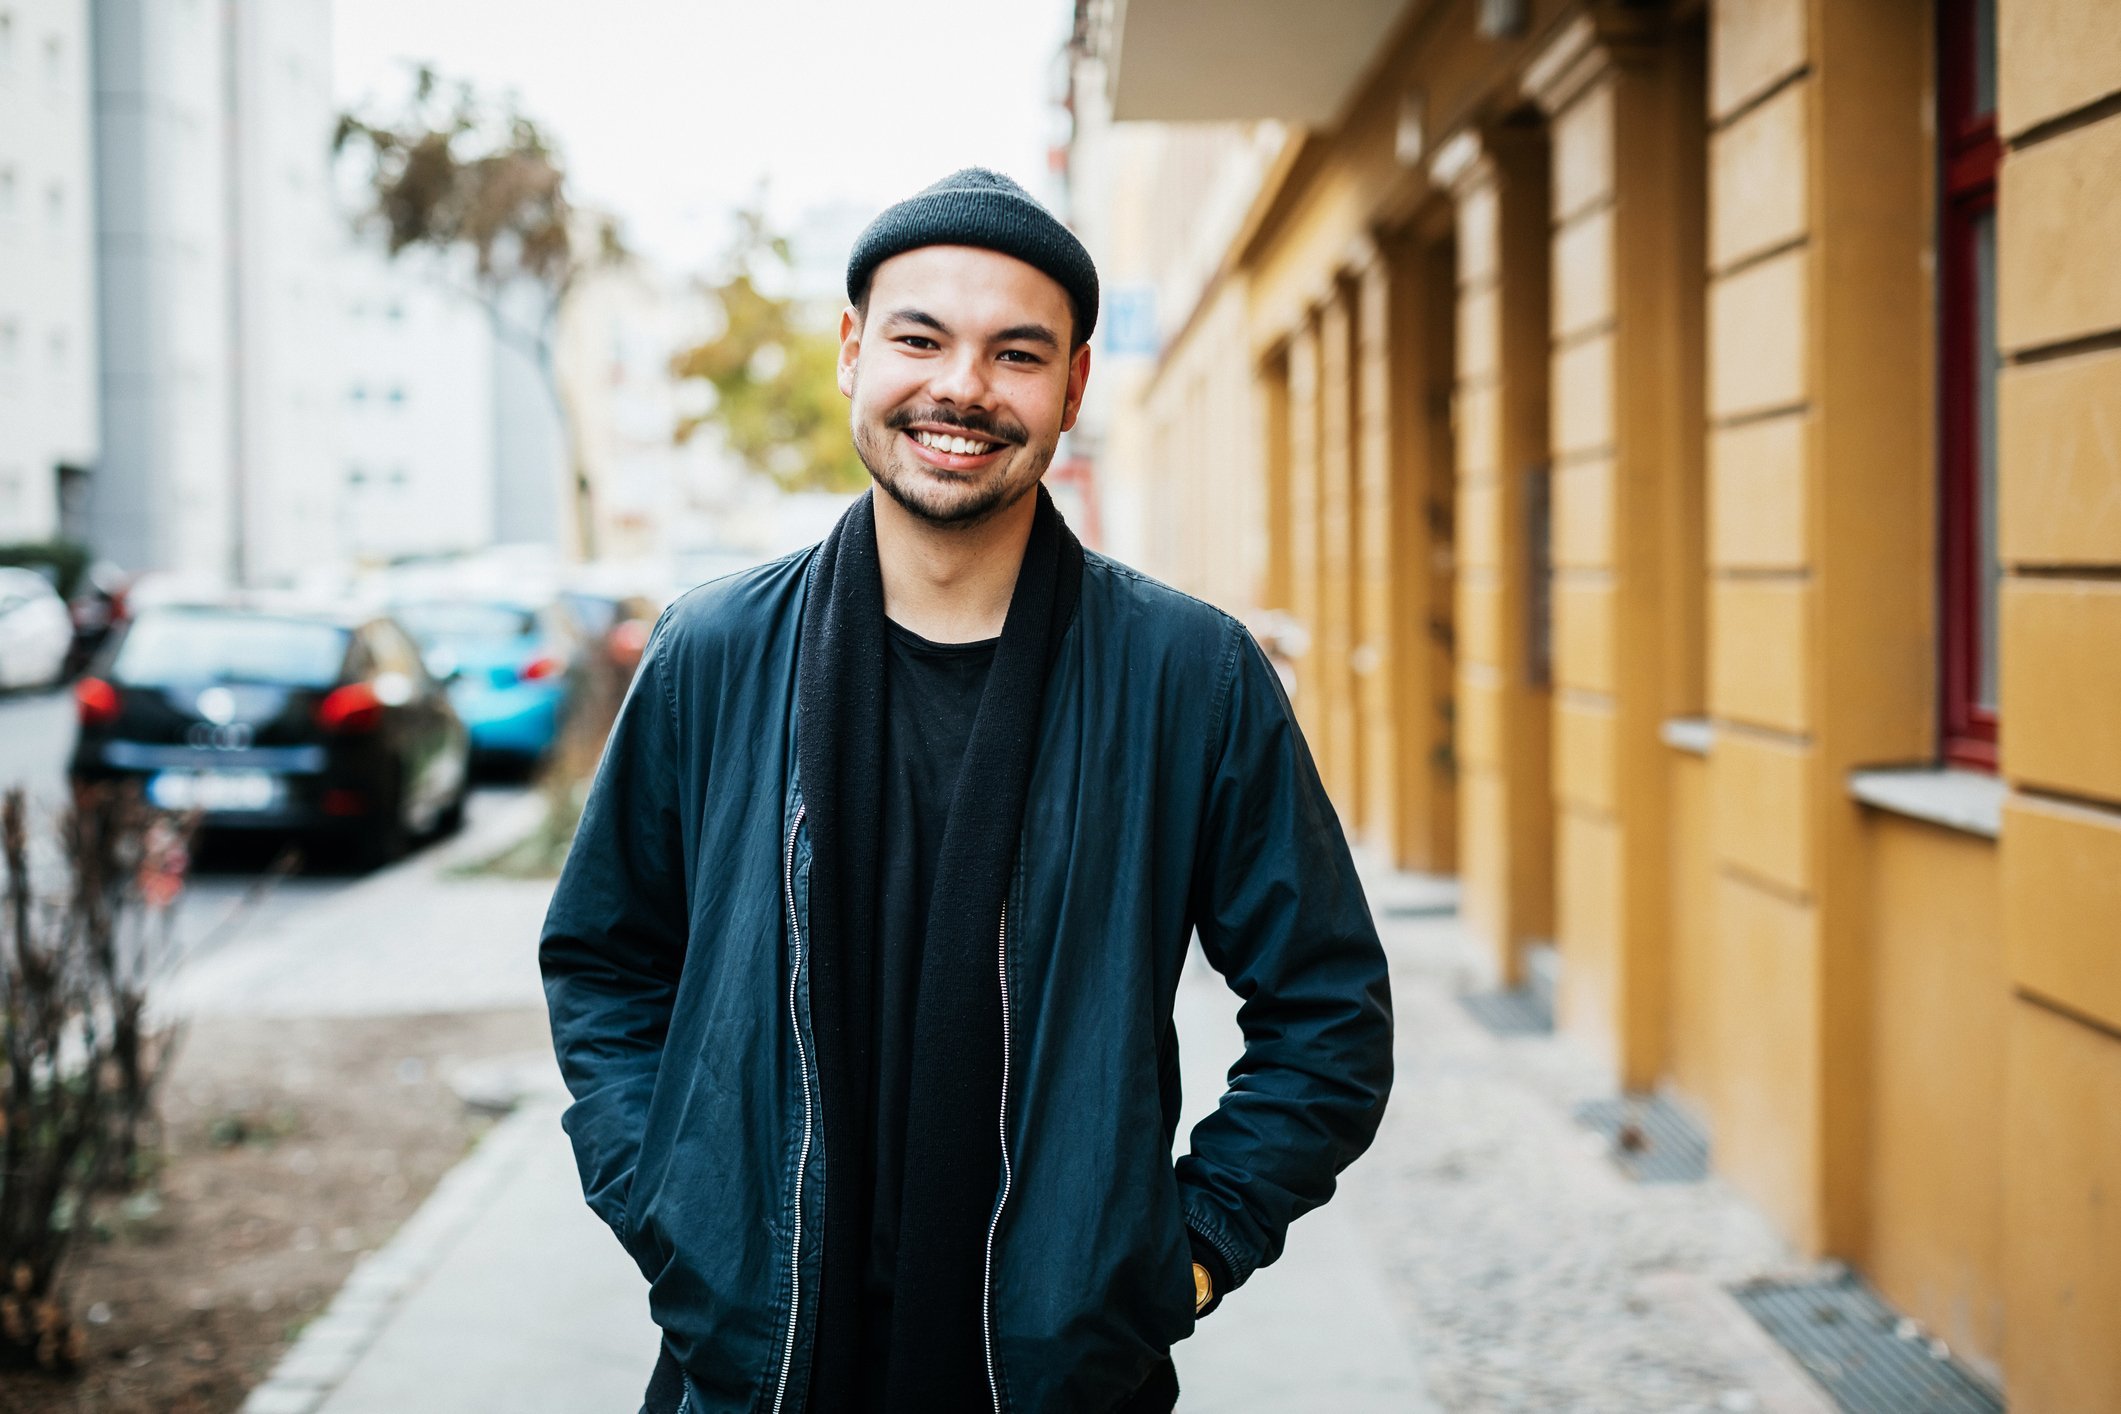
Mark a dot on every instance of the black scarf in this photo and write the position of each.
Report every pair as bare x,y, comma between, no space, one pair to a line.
937,1351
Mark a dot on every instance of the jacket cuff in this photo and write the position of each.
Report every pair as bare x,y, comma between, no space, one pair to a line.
1219,1281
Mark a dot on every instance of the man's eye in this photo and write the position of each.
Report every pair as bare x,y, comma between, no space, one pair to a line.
918,341
1021,356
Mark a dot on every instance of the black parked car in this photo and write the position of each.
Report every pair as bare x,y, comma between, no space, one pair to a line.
276,720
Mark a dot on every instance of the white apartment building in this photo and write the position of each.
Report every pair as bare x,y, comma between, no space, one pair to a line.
217,242
417,438
48,422
533,499
161,496
286,240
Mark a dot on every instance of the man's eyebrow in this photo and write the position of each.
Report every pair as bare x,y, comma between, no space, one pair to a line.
920,317
1028,334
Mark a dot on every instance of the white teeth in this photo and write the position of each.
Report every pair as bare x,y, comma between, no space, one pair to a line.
956,446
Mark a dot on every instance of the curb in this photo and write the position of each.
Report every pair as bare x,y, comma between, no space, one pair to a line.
329,1347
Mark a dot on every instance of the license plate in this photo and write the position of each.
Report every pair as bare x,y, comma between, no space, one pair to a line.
213,790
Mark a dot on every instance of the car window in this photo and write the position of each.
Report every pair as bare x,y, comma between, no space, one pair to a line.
461,620
188,646
595,615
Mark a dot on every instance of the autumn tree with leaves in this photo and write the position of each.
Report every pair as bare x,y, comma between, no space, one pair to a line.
771,370
450,171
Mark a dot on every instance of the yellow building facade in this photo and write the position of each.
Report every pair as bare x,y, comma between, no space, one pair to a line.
1683,444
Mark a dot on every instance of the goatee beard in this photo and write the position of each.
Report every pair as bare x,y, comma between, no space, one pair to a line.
986,500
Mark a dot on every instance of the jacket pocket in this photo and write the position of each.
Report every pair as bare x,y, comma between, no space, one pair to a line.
643,1241
1177,1308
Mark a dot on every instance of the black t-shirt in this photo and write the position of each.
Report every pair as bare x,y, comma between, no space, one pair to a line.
932,692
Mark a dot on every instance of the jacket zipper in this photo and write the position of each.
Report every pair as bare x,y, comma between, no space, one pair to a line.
802,1065
994,1384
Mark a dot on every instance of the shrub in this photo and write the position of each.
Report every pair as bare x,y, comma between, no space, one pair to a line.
64,562
82,1052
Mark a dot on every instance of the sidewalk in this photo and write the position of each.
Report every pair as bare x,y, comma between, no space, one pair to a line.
504,1295
1317,1329
414,938
529,1306
1485,1255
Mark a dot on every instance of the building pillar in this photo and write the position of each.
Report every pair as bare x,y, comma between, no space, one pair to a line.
1498,178
1406,763
2059,326
1339,667
1305,547
1626,433
1762,549
1272,410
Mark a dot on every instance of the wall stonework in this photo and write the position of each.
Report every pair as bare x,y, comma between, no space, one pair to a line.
1689,303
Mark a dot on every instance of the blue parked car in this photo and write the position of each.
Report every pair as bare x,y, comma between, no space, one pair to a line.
511,668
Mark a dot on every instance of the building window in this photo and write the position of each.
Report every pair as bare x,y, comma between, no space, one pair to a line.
1968,151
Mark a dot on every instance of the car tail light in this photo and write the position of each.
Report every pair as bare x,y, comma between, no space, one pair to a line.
352,708
343,802
96,702
628,640
540,667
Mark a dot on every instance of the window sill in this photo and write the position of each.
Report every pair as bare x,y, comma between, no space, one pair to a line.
1968,801
1692,735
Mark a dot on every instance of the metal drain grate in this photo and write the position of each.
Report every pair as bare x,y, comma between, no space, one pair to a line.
1851,1342
1653,1140
1518,1011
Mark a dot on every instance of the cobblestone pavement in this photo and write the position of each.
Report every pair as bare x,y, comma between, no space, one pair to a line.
1526,1270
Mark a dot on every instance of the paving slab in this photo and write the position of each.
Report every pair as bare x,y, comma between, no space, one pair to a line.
1317,1329
503,1293
529,1308
420,937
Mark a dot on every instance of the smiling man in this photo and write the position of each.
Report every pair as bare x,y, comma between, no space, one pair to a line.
862,966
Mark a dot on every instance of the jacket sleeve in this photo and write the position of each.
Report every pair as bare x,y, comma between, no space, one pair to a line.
1281,915
614,941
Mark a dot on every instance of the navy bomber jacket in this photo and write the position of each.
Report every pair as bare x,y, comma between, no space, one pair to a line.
1172,795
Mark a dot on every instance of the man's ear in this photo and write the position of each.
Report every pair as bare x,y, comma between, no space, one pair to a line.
1078,380
850,348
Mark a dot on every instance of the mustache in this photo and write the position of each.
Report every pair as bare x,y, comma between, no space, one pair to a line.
993,429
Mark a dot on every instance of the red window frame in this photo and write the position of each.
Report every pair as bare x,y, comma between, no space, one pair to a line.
1969,153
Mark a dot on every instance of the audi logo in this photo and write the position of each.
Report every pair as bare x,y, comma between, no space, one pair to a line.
233,736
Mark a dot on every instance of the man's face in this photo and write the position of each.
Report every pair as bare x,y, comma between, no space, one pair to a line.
962,380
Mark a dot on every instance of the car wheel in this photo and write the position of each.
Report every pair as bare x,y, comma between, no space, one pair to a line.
451,819
386,839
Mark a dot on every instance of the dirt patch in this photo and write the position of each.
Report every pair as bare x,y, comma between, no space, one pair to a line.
290,1149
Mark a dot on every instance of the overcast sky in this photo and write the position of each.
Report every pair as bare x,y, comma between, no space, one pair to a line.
670,112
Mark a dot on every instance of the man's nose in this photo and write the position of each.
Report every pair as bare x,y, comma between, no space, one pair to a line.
962,380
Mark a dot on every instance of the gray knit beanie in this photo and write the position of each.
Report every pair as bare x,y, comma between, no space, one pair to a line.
978,207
